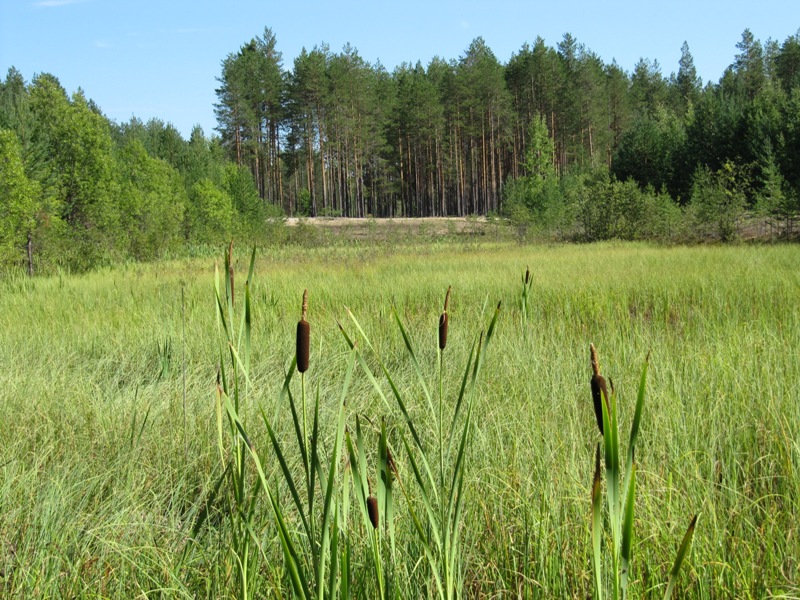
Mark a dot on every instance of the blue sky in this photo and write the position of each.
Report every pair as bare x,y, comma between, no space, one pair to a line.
160,59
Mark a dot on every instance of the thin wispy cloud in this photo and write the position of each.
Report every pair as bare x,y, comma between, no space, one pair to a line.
55,3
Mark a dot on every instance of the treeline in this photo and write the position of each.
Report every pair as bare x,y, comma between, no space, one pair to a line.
555,138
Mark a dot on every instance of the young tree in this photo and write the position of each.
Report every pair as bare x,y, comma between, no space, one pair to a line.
19,203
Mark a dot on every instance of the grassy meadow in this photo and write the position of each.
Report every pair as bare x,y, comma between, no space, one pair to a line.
109,434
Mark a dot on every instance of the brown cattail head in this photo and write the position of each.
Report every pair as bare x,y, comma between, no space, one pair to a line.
443,322
443,331
527,275
599,389
372,509
303,337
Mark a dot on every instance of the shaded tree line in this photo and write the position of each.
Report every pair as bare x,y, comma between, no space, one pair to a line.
555,138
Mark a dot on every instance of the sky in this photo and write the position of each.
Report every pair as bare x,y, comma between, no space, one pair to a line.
161,59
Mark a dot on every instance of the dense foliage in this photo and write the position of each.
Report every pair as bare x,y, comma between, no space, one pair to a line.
556,138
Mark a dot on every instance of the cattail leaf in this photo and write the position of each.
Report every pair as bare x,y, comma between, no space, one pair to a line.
334,553
637,416
461,393
459,465
222,320
359,484
433,522
313,457
683,550
454,517
362,459
239,363
423,534
287,474
384,492
252,265
349,341
597,525
291,555
329,504
401,405
302,442
413,356
627,529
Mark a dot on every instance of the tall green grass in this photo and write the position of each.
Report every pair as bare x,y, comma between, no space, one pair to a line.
99,492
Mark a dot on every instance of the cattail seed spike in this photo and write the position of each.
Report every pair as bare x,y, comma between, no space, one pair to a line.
303,337
372,509
443,321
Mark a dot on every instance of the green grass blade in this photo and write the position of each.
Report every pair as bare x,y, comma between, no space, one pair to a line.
683,550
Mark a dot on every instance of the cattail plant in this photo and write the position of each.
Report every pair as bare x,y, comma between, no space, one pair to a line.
312,553
438,526
231,391
620,497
